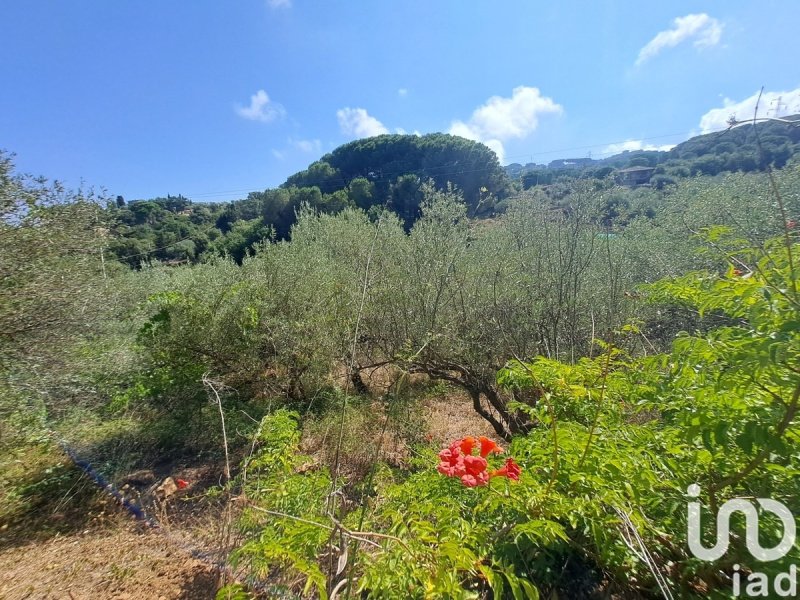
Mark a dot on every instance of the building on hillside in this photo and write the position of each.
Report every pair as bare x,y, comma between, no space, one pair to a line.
571,163
633,176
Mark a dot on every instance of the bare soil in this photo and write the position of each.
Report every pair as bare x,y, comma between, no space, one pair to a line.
119,561
451,416
76,543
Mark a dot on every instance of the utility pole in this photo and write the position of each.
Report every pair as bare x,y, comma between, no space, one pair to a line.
778,103
101,231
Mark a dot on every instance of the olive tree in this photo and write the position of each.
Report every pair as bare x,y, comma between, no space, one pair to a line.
459,299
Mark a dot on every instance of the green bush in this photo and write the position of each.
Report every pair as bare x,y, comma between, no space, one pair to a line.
604,473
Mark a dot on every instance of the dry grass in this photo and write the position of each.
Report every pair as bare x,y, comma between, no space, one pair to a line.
103,554
61,537
368,436
450,416
121,562
371,434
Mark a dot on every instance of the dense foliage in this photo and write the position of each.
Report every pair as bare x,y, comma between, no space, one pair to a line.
389,171
391,164
602,495
624,344
734,150
385,171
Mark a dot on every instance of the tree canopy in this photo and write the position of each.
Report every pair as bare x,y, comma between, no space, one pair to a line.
389,171
732,150
384,171
470,166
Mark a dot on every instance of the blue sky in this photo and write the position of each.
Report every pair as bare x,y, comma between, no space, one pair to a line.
214,99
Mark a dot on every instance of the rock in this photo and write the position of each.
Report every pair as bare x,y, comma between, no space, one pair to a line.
141,478
167,488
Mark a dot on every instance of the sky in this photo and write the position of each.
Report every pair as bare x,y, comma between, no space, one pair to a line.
215,99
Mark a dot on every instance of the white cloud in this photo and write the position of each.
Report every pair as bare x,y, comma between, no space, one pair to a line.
356,122
632,145
704,30
402,92
310,146
279,3
501,119
773,104
261,108
278,154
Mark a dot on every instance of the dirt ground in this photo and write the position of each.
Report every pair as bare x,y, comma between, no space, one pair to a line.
71,541
451,416
85,547
121,562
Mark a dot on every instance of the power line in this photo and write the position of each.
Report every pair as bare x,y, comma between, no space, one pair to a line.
127,256
589,146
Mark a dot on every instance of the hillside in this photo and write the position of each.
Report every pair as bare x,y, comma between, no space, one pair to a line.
382,171
384,160
709,154
389,171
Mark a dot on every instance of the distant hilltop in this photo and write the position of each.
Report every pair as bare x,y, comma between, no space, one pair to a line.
735,149
390,171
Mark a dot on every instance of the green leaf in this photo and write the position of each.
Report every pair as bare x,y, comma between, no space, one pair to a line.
531,592
721,433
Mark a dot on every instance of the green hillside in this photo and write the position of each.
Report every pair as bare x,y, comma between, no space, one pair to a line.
733,150
492,403
385,171
388,172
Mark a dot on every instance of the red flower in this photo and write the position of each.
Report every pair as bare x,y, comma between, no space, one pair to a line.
181,483
481,478
488,446
474,464
466,445
737,272
475,467
452,463
459,461
446,469
511,470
